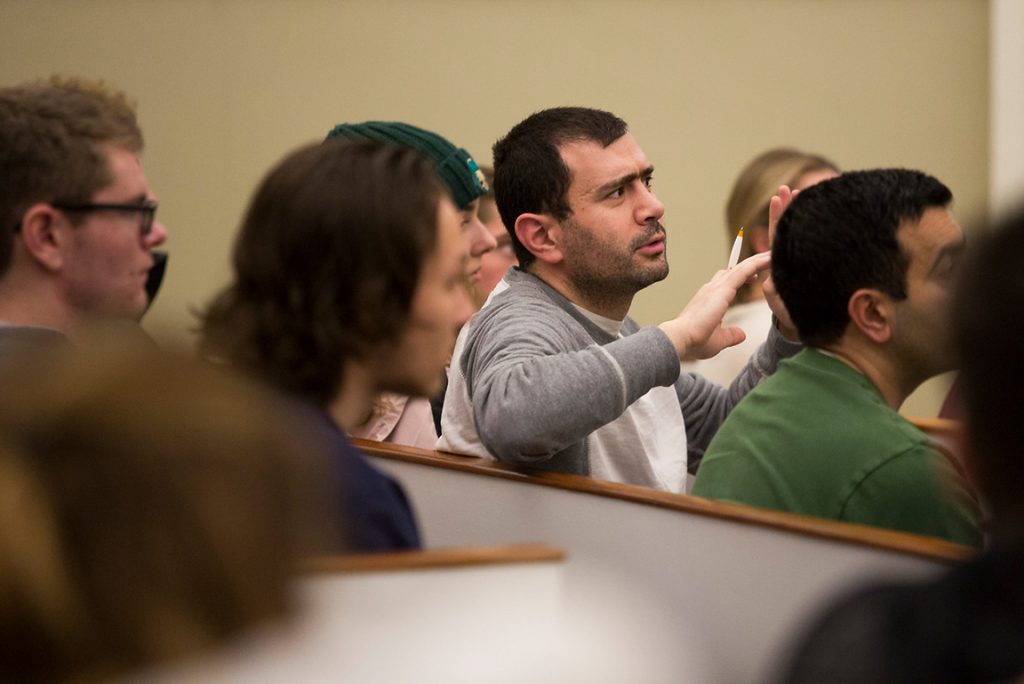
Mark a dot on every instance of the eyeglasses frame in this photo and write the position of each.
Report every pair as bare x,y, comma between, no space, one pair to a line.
146,209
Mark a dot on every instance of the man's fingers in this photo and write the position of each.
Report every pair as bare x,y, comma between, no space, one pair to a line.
734,336
776,207
774,212
746,269
720,339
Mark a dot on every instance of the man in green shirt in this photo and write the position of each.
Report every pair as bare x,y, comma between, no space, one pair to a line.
865,264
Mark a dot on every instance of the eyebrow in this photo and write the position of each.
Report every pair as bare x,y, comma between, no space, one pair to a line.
139,199
623,180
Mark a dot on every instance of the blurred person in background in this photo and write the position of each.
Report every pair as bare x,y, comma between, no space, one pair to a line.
495,263
77,215
396,417
747,208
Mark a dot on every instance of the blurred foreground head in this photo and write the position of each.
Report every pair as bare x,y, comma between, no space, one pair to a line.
347,269
152,507
988,330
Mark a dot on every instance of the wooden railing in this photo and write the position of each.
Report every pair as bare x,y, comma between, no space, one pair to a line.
937,428
888,540
473,556
468,614
744,578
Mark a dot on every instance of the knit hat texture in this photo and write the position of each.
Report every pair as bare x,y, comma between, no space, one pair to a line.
454,165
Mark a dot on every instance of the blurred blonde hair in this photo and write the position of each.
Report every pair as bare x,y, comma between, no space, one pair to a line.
152,507
759,180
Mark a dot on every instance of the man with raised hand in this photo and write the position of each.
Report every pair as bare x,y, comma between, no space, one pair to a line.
552,373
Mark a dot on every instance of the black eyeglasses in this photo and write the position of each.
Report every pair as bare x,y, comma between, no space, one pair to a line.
146,209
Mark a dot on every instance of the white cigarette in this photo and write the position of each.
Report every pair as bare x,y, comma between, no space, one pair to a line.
734,256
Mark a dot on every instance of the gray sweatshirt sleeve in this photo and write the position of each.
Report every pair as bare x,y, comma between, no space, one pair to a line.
705,405
539,383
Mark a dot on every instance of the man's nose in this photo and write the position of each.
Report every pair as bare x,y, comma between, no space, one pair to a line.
480,239
157,235
650,207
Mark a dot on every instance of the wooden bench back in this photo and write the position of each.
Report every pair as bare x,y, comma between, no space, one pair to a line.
744,577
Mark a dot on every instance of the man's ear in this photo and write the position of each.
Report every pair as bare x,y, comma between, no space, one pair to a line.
41,233
539,233
759,240
872,313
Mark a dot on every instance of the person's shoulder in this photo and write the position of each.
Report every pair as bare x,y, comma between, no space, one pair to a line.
879,445
24,338
522,289
19,344
529,304
788,388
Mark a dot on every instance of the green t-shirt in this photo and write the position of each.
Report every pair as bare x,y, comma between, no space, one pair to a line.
816,438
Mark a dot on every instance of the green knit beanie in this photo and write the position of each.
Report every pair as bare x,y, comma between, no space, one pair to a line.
454,165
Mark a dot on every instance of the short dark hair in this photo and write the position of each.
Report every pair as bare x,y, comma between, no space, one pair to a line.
51,138
530,175
325,264
839,236
988,316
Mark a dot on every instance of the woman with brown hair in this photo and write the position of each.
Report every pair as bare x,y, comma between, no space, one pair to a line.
747,208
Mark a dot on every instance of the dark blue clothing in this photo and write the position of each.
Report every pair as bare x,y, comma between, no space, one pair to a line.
374,510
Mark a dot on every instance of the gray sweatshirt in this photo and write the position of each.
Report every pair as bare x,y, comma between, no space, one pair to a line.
532,377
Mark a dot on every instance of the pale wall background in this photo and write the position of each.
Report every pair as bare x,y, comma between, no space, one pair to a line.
226,87
1006,106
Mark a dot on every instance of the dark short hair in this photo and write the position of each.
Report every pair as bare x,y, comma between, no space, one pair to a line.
530,175
325,264
51,138
839,236
988,315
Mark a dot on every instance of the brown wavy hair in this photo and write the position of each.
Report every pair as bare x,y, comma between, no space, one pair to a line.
325,264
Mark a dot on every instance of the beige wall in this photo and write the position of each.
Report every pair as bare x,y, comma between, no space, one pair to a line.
1006,109
227,86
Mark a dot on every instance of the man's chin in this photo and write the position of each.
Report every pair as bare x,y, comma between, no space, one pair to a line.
651,275
138,308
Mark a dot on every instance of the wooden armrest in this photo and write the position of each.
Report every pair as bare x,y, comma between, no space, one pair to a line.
434,558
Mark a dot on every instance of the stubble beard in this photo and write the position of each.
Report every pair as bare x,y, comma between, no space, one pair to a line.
608,275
